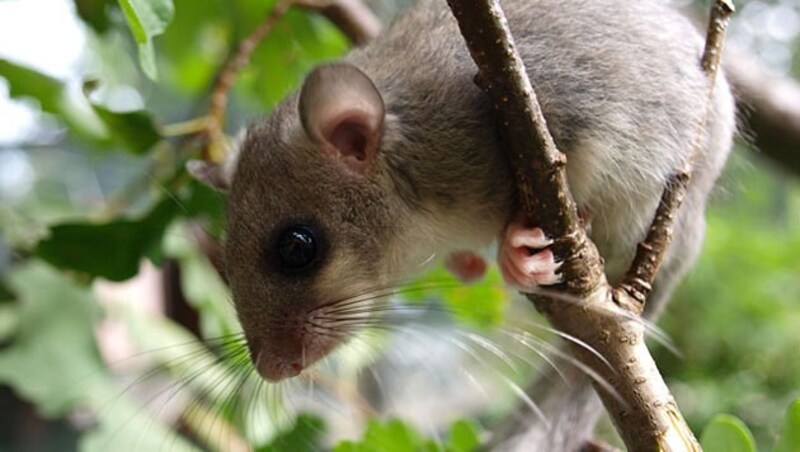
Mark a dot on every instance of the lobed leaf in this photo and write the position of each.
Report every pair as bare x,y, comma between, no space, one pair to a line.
6,294
727,433
305,436
24,82
94,13
110,250
479,305
146,20
464,436
790,437
136,131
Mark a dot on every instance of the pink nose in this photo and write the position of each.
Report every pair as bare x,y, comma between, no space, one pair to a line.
275,370
296,367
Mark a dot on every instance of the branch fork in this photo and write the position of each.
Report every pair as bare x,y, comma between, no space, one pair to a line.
642,408
352,17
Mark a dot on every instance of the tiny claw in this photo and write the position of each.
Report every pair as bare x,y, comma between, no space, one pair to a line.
525,259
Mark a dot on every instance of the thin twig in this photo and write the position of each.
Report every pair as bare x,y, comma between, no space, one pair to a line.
648,417
352,17
638,281
215,151
770,109
540,168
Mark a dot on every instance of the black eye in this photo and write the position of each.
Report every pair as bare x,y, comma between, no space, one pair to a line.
297,247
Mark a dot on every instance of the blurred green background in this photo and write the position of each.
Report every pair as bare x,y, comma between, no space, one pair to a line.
94,134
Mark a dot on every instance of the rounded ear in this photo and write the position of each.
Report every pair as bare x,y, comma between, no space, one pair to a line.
342,112
218,175
211,174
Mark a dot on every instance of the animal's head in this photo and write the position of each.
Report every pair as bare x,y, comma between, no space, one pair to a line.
310,213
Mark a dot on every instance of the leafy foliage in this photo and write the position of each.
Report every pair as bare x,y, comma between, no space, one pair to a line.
53,362
133,130
396,436
790,436
480,305
6,294
735,320
305,436
147,19
110,250
25,82
727,434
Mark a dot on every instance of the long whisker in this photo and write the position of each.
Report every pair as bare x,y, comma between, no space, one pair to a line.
382,292
523,339
491,348
527,400
588,371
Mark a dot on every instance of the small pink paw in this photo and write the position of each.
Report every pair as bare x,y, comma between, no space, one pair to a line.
525,260
466,266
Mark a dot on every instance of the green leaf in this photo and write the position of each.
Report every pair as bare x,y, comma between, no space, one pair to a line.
464,436
146,20
53,362
790,437
388,436
95,13
25,82
392,436
110,250
305,436
727,433
9,322
348,446
479,305
147,59
6,294
134,130
206,203
297,43
207,22
52,97
55,321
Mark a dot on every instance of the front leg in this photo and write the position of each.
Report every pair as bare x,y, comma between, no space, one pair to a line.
524,258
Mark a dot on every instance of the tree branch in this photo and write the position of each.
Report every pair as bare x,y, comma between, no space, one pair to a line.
352,17
638,281
539,167
640,403
771,109
215,151
774,117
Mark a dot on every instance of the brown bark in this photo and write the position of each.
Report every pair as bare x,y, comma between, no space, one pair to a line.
769,107
215,151
641,406
541,176
352,17
638,281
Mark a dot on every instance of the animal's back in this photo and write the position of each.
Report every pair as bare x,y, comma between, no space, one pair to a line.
622,90
620,85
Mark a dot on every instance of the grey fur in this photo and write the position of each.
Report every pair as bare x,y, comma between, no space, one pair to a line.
622,91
